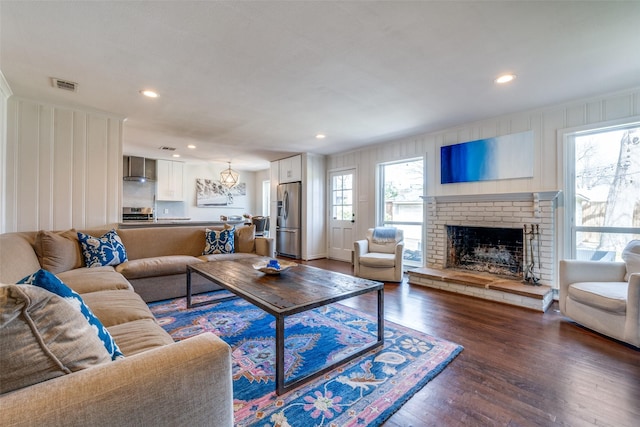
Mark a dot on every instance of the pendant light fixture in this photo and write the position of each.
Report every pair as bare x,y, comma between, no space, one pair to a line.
229,177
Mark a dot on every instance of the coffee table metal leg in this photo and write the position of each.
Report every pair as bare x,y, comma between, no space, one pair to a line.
280,388
381,315
188,287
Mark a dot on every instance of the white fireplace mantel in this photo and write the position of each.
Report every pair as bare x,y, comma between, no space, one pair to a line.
498,197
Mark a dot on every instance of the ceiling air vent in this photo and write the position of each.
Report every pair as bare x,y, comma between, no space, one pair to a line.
165,148
64,84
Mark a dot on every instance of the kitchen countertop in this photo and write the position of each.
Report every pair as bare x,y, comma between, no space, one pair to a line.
175,222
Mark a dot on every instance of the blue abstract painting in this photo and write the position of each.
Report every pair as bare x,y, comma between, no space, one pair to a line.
501,157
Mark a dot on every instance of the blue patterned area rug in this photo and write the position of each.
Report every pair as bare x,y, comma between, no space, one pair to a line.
363,392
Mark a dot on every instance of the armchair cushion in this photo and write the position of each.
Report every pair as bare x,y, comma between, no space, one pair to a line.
377,259
609,296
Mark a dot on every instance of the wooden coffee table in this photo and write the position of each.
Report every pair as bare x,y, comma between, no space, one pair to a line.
296,290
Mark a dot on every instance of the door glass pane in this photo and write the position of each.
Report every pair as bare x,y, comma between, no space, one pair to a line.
347,197
342,197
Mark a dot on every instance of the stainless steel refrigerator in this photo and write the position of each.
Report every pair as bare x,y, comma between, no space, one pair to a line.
288,236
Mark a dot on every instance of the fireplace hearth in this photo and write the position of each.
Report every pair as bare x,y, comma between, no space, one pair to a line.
492,250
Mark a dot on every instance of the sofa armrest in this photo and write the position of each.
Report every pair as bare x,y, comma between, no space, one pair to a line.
399,253
266,246
360,247
632,323
185,383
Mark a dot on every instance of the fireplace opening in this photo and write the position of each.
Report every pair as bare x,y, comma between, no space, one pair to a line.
485,249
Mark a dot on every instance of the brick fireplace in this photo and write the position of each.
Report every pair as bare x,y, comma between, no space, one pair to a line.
511,211
492,246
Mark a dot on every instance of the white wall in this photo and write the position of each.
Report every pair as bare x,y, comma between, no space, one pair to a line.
241,205
5,93
63,167
545,123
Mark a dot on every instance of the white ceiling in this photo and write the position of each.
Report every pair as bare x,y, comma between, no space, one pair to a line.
250,82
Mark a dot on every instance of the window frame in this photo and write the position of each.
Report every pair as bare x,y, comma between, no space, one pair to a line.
570,229
380,211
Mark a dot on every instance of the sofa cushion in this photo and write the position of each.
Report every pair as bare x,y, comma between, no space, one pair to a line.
139,335
156,266
226,257
245,239
117,307
631,258
609,296
219,241
42,337
107,249
377,259
84,280
58,251
46,280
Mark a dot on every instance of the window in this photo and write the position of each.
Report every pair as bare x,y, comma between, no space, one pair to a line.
400,186
342,197
603,191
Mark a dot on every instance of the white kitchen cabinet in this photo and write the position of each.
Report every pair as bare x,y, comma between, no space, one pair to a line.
170,181
290,169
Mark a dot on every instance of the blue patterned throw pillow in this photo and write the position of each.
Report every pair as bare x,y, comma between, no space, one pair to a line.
219,242
48,281
104,250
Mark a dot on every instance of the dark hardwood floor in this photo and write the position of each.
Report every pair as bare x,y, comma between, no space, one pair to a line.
519,367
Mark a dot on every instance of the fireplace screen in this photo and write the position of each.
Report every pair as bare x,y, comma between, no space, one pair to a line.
485,249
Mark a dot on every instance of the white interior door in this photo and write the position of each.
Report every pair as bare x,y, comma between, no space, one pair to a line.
342,214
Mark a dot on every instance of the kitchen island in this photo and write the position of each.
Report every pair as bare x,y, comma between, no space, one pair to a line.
161,222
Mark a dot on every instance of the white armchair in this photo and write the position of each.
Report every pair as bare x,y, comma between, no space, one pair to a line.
378,258
596,295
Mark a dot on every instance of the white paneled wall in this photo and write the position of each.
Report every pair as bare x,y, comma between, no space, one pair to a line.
5,93
545,123
63,167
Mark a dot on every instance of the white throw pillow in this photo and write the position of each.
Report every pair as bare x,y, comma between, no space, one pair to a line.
631,257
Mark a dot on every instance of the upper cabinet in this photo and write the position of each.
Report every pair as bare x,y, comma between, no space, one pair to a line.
290,169
169,176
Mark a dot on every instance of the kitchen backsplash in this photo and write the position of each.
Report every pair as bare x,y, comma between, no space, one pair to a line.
138,194
170,210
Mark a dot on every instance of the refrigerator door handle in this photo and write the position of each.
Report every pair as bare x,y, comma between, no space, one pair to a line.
285,205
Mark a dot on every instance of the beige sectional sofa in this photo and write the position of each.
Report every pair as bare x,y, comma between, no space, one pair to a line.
158,382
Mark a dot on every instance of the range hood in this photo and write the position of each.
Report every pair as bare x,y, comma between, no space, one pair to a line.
139,169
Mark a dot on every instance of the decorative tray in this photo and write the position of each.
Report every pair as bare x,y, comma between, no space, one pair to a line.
263,266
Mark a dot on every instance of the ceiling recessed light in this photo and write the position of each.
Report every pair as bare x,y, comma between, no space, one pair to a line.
505,78
191,146
149,93
321,136
176,155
